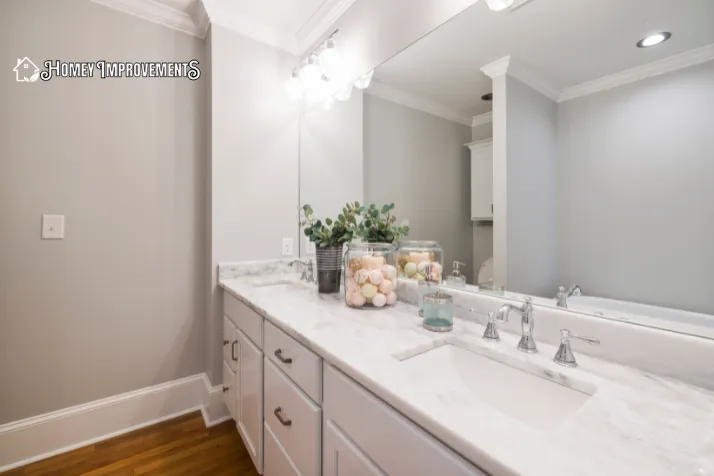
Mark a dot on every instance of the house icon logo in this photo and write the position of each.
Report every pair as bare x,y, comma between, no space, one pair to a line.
26,71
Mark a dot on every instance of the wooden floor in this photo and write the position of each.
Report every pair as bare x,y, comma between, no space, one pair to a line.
183,446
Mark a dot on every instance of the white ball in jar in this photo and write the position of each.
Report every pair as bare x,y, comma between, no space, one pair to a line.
392,298
368,290
389,272
361,276
352,285
375,276
379,300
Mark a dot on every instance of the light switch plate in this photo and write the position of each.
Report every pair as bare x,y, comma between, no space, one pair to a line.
52,227
287,246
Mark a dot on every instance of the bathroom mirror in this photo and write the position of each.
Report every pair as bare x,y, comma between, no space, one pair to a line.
578,155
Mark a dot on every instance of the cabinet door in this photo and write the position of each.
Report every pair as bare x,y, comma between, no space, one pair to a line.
482,182
229,381
341,457
230,354
249,398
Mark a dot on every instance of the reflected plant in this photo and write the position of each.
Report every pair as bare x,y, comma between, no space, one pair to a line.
378,225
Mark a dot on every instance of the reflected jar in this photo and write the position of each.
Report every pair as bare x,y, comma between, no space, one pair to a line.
420,260
370,276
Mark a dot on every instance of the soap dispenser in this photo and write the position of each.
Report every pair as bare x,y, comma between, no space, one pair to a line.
456,280
438,312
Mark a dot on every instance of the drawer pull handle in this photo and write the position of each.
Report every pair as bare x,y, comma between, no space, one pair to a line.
285,360
233,351
279,416
225,389
226,342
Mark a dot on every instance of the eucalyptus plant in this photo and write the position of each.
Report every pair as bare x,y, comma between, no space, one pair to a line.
331,232
378,225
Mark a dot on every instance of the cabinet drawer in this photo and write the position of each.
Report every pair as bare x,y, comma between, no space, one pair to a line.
277,462
361,416
294,419
300,364
246,319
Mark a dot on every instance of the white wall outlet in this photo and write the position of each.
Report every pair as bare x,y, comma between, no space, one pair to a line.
310,248
287,246
52,227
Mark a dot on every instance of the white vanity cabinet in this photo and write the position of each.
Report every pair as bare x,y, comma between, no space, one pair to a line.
243,373
481,179
365,436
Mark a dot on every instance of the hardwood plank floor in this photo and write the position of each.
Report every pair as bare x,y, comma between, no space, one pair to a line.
178,447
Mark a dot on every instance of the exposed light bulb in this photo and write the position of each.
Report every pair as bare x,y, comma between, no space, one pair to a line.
330,59
345,93
364,81
310,73
498,5
319,92
293,87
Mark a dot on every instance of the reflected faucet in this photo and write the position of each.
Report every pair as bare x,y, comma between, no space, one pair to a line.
307,270
527,343
561,299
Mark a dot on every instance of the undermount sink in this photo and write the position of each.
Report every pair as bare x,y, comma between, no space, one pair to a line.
283,282
533,395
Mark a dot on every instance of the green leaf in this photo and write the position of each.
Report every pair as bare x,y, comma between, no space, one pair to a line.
385,209
356,204
306,207
308,231
317,225
341,217
328,221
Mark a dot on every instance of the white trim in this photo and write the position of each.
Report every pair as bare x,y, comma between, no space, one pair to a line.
416,102
479,144
481,119
316,26
666,65
497,68
39,437
193,23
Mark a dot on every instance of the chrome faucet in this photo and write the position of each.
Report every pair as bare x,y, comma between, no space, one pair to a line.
561,299
307,270
564,356
527,343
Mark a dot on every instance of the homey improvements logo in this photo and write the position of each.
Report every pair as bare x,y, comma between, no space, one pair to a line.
26,71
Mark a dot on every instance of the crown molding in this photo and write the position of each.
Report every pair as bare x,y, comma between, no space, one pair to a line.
479,144
482,119
665,65
497,68
318,24
515,69
416,102
189,21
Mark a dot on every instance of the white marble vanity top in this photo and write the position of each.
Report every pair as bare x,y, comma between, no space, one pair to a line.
635,424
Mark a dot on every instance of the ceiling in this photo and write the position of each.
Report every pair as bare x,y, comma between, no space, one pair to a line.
563,43
291,25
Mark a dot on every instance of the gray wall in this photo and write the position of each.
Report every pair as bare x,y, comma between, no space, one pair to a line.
531,165
419,162
117,305
332,158
254,162
636,185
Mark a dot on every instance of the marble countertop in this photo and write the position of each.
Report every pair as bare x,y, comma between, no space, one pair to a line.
635,424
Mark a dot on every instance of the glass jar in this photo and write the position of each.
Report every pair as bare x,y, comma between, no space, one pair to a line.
420,260
370,275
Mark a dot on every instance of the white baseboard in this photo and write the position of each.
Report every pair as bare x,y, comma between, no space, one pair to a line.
36,438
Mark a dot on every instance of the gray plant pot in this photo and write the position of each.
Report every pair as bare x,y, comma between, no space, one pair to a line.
329,268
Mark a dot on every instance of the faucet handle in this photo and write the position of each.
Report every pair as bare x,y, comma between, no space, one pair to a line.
564,356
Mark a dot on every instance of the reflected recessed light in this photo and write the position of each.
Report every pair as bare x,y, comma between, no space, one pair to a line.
654,39
487,97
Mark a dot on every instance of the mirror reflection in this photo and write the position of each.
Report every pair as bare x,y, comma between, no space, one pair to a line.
572,163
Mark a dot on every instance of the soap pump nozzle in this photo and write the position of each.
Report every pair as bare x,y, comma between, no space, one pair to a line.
456,272
456,279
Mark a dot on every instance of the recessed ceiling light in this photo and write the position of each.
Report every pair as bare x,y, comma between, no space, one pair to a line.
654,39
487,97
498,5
